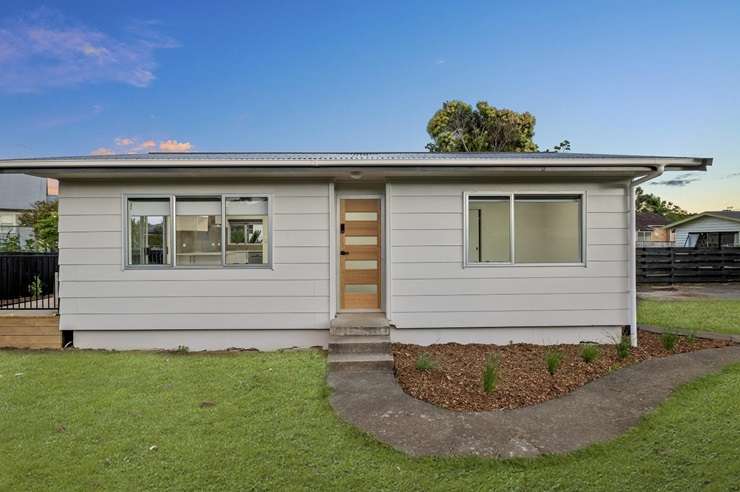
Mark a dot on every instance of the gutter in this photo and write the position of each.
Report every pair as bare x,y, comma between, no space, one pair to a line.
632,242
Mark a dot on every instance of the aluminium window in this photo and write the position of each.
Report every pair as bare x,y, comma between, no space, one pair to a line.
524,228
198,231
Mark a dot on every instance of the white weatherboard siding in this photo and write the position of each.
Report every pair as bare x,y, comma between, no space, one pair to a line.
101,301
432,289
704,224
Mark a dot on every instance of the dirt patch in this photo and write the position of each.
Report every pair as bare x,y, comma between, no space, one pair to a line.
456,381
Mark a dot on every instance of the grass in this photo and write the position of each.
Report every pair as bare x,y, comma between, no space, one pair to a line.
721,316
553,360
490,373
129,421
590,352
425,363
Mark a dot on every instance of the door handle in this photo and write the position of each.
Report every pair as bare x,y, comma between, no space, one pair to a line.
344,253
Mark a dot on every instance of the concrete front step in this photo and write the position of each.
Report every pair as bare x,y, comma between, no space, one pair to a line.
359,344
359,324
359,362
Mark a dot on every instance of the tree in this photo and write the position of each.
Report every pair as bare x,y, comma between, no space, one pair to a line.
457,127
647,202
43,217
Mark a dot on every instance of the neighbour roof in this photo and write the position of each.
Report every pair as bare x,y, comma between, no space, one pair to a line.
732,215
643,220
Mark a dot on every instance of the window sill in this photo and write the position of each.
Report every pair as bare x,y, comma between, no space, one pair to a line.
499,265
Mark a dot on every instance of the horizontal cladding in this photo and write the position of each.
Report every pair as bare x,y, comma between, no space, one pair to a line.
432,289
468,319
236,304
512,286
502,302
97,294
193,288
195,321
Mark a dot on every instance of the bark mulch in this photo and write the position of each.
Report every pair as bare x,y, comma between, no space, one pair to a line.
456,383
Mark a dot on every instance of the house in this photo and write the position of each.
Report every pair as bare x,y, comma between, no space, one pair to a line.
650,231
17,194
266,250
707,230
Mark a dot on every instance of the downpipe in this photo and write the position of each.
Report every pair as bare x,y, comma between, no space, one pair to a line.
632,234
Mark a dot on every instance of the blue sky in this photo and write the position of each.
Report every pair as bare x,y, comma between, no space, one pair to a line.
646,77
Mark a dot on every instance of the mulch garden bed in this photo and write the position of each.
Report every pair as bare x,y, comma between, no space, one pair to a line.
456,383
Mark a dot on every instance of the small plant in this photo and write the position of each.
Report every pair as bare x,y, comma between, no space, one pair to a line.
669,341
553,360
589,353
490,373
36,288
691,337
623,348
425,362
182,349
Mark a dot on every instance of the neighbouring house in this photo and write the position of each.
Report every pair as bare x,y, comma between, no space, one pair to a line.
650,232
18,193
707,230
264,250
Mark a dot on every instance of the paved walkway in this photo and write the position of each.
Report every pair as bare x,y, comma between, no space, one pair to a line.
596,412
684,292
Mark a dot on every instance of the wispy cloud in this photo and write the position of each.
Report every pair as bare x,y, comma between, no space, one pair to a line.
132,145
175,146
102,151
732,175
45,49
679,181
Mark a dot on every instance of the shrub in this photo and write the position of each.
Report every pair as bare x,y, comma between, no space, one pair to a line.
425,362
36,288
182,349
589,353
623,348
553,360
490,373
669,341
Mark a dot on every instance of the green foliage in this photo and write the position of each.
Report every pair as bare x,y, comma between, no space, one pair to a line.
647,202
425,362
43,217
490,373
669,341
590,352
36,288
457,127
182,349
553,360
10,243
717,315
624,348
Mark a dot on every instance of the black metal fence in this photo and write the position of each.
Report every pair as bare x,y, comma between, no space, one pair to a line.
676,265
28,281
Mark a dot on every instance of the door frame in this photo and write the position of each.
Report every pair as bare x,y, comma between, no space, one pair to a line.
358,195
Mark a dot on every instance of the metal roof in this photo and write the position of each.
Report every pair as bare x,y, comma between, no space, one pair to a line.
731,215
359,156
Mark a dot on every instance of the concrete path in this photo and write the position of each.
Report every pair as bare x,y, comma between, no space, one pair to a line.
686,292
596,412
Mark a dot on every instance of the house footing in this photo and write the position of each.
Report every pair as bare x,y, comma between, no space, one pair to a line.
376,330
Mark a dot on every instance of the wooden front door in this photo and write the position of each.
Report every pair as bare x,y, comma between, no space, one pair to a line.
359,260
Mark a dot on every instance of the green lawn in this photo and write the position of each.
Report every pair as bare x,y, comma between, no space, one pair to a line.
721,316
89,420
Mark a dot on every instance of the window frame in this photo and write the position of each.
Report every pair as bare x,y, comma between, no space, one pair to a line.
582,194
172,265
